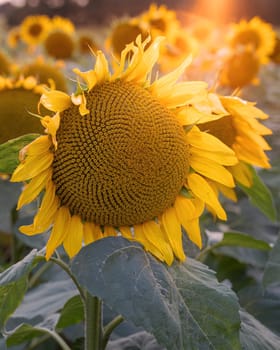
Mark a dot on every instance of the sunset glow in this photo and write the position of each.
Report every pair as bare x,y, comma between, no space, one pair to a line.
219,11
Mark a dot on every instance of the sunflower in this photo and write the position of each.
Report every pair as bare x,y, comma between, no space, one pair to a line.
159,20
118,159
60,41
86,42
174,53
240,68
19,97
58,22
255,34
122,33
241,130
33,29
46,72
14,37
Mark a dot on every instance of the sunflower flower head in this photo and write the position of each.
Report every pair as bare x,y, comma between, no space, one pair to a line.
122,33
60,41
255,34
118,159
14,37
159,20
46,72
242,130
19,97
33,29
86,42
240,68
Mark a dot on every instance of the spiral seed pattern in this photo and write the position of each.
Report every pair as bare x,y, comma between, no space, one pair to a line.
124,162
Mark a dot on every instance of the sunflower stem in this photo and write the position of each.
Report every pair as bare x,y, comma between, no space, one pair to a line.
66,268
109,329
93,323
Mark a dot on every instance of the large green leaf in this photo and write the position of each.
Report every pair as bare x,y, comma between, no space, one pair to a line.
171,303
262,304
260,195
255,336
135,341
9,152
198,285
272,268
13,285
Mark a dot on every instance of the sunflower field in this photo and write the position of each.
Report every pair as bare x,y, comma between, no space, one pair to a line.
139,183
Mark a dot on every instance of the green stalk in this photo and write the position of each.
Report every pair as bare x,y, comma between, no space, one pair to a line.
109,329
93,322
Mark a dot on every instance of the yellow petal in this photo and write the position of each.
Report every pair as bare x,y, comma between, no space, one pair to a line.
157,237
46,213
59,231
208,142
192,228
89,77
109,231
141,236
51,125
203,190
143,61
218,156
80,100
188,217
101,68
191,115
55,100
126,232
242,174
226,191
33,188
92,232
172,227
32,167
212,170
165,84
39,146
50,203
73,240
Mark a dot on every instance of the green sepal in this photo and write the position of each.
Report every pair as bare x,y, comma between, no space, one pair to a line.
9,152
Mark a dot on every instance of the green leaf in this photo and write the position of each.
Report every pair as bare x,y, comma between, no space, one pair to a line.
260,195
9,152
171,303
243,247
13,285
255,336
26,332
241,240
72,312
249,256
197,285
138,340
272,268
42,301
264,305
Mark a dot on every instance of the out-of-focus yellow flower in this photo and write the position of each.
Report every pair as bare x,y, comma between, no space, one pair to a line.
240,68
256,35
33,29
19,98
